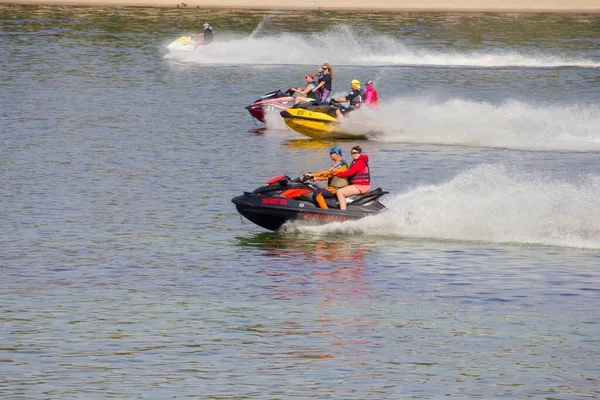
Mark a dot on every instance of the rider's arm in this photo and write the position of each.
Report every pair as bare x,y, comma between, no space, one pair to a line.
340,99
348,97
303,92
323,175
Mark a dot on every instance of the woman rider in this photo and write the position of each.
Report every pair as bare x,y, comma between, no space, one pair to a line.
359,174
325,74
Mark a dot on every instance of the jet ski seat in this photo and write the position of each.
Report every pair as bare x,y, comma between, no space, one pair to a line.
365,198
332,202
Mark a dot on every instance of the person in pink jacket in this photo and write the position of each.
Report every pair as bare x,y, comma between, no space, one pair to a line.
371,98
359,177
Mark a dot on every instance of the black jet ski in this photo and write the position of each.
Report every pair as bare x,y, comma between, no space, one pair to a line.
285,199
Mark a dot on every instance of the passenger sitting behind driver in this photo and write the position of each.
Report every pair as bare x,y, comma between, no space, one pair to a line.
333,182
310,91
371,97
359,174
356,97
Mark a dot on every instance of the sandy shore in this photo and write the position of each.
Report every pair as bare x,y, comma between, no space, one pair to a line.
551,6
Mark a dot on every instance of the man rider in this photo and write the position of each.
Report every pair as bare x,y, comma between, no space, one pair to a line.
356,97
207,35
333,182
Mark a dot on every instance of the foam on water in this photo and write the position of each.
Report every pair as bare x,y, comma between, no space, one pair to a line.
490,203
372,50
512,124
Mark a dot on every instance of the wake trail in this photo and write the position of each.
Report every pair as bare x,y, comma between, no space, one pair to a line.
373,50
490,203
513,124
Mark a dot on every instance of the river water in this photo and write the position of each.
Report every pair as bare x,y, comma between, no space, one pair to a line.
127,272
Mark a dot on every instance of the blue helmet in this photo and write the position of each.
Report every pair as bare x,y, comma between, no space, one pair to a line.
336,150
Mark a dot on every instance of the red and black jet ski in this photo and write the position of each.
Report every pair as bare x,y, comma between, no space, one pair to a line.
275,101
285,199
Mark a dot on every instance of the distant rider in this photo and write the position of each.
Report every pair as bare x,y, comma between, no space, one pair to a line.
207,35
356,97
333,182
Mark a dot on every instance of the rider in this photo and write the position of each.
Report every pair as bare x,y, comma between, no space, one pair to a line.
207,35
371,98
311,92
359,174
356,97
325,74
333,182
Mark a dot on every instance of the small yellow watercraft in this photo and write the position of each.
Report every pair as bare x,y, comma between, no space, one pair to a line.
318,121
185,43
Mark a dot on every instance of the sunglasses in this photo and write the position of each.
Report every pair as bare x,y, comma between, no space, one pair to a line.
355,152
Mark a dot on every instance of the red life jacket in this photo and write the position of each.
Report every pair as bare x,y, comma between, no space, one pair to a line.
373,101
362,177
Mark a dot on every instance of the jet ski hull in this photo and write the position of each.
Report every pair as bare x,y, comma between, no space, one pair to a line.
285,199
271,212
184,43
272,102
319,125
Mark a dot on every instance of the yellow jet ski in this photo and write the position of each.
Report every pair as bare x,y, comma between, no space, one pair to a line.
185,43
317,120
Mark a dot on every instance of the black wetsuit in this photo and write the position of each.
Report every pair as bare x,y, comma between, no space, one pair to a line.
356,98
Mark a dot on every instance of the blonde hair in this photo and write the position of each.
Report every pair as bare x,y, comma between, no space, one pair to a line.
329,69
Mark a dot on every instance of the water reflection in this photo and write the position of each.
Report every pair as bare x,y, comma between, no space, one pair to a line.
330,277
316,144
258,131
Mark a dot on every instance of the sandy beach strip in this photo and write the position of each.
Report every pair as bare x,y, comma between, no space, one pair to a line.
504,6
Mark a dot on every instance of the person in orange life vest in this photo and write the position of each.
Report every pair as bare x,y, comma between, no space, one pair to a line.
359,174
309,93
333,182
371,98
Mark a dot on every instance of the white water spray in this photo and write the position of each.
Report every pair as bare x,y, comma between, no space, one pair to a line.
264,21
512,125
491,203
373,50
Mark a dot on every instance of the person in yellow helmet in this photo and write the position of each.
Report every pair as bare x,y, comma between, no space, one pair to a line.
355,98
